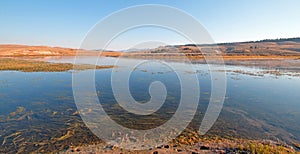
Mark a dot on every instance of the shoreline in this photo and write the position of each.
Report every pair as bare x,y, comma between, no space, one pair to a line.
206,145
11,64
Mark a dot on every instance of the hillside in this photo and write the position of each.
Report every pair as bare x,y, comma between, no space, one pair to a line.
23,50
264,48
278,48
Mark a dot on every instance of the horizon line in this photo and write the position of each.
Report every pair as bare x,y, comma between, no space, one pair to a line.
196,44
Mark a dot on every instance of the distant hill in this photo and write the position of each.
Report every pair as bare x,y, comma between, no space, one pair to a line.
280,40
11,50
268,47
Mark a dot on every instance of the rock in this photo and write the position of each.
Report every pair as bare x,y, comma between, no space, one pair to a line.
204,148
183,141
77,149
114,147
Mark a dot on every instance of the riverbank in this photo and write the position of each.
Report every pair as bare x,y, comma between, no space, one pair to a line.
11,64
205,145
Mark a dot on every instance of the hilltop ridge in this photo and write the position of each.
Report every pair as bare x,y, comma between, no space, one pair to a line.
272,48
277,47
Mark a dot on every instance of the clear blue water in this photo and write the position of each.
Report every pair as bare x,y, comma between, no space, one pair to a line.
38,107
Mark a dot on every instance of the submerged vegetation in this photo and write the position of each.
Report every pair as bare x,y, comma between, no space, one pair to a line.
68,134
40,66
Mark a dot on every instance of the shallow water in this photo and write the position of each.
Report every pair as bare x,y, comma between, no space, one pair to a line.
37,109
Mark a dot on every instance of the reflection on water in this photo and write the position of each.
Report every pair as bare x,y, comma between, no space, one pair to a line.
38,113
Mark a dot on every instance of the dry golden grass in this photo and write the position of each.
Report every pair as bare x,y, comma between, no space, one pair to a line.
237,57
40,66
23,50
199,56
240,52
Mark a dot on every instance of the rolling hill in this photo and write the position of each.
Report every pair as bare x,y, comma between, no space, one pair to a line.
264,48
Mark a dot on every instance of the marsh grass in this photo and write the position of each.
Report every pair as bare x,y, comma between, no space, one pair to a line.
40,66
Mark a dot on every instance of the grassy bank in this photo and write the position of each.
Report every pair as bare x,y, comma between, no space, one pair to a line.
40,66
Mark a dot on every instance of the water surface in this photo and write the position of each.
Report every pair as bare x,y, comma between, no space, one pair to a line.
37,109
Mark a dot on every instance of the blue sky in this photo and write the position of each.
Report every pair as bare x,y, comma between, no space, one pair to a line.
66,22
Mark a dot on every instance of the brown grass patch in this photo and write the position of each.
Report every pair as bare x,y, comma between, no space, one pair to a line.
40,66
